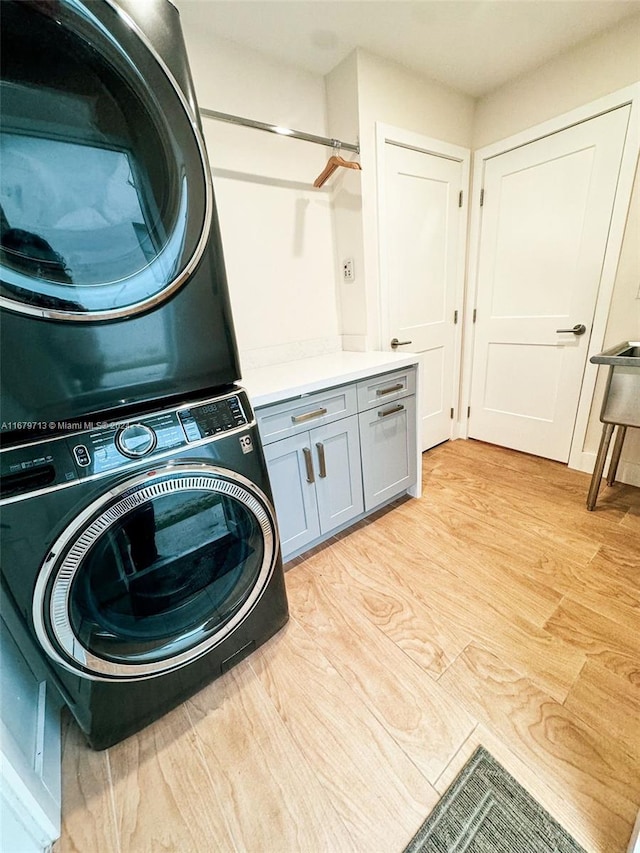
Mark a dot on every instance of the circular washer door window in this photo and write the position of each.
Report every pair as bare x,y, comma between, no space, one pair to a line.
153,578
105,195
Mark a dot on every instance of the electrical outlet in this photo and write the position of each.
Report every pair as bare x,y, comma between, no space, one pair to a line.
347,270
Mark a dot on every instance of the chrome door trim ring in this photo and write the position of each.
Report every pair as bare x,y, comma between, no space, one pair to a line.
65,648
162,295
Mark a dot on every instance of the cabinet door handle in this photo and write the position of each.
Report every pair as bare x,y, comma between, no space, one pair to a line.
382,391
308,462
317,413
391,411
321,459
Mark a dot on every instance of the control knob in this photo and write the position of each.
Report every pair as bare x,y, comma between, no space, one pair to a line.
136,440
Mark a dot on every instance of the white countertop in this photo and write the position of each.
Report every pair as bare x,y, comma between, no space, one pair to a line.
266,385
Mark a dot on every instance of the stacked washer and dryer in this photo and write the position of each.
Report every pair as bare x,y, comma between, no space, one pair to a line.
139,543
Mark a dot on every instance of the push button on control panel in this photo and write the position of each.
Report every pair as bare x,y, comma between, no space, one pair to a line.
236,412
81,455
190,426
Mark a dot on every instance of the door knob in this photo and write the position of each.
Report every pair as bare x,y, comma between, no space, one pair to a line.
578,329
395,343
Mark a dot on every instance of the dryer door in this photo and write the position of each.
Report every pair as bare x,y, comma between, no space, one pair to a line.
155,573
106,199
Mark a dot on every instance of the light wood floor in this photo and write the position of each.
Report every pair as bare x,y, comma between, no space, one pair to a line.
493,610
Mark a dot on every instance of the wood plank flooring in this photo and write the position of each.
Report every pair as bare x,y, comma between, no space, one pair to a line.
495,609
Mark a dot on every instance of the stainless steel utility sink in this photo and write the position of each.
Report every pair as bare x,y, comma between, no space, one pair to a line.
621,404
620,407
626,354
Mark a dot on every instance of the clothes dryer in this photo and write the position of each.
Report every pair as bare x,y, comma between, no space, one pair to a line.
143,557
113,290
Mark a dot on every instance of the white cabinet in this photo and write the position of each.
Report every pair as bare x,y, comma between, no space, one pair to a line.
339,474
294,494
387,405
316,480
388,440
339,453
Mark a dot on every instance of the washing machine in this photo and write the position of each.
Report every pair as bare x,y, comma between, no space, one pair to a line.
143,557
112,281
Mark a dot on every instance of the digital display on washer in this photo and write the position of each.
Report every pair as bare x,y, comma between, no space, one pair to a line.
212,418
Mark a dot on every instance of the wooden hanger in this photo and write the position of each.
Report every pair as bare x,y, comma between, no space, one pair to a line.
334,161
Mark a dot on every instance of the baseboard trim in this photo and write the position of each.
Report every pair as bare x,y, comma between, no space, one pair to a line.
628,472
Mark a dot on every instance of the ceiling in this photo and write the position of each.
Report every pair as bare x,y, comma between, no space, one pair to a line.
474,46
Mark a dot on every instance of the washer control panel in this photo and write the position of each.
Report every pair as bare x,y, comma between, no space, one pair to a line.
116,444
62,460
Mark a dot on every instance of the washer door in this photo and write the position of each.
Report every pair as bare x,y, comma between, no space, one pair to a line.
156,573
105,192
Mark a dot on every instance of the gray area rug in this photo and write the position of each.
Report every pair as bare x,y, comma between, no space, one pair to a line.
486,811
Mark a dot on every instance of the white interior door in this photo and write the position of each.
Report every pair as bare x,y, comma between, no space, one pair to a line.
545,222
424,226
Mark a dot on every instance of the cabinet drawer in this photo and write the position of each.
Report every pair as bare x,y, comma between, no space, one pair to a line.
294,416
389,386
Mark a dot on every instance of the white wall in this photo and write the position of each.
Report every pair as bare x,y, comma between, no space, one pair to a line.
595,68
277,231
623,324
589,71
345,187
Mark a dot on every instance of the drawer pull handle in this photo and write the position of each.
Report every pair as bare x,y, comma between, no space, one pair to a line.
308,461
382,391
321,459
391,411
317,413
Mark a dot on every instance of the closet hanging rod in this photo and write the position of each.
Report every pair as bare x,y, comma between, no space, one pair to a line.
283,131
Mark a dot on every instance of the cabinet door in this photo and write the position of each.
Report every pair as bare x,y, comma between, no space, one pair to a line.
293,495
338,472
388,440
